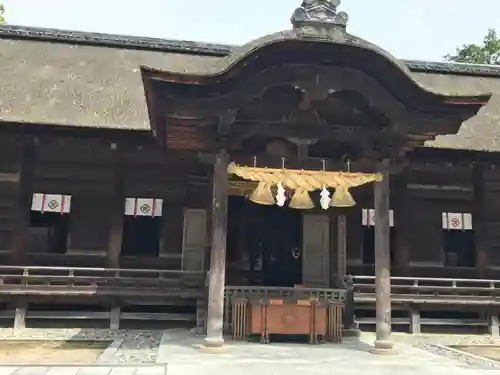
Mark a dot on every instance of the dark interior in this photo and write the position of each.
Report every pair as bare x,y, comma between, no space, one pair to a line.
459,248
369,244
264,244
48,232
141,236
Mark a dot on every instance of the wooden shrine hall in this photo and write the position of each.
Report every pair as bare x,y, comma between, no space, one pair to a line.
307,183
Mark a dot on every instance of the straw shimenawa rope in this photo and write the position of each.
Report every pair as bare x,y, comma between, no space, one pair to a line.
303,179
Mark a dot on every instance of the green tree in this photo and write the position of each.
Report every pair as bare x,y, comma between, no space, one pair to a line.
486,53
2,10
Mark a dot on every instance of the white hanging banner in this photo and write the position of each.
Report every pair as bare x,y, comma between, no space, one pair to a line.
55,203
468,221
457,221
368,217
143,207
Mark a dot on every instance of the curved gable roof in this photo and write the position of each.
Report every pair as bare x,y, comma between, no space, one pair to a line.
71,65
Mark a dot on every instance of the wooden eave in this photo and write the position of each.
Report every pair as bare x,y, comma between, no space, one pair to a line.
286,49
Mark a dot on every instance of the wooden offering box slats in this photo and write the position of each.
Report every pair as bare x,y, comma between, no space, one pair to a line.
287,311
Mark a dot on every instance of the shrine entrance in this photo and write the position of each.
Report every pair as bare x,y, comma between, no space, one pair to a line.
264,244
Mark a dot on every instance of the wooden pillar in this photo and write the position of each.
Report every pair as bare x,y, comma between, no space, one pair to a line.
493,324
114,318
217,272
20,316
117,213
24,196
341,246
479,223
415,321
350,327
383,341
402,225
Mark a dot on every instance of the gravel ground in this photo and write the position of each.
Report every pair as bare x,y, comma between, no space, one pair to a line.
137,346
439,345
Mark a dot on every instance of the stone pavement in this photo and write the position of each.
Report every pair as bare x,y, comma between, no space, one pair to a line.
84,370
178,353
352,357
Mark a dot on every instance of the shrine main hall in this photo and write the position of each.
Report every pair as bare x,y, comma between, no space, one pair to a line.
305,183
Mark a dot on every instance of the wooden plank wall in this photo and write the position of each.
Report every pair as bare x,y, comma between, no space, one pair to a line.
13,149
85,168
491,212
421,229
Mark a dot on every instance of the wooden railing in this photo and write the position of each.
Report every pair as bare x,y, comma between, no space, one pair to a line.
431,290
33,280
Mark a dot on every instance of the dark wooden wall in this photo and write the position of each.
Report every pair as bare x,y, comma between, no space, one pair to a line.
86,169
14,152
489,230
419,195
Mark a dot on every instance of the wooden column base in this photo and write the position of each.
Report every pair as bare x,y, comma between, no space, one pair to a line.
213,342
383,347
210,348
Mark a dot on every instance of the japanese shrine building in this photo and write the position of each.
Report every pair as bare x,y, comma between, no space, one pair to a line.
115,153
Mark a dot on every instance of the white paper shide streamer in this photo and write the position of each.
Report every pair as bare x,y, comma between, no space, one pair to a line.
280,195
325,199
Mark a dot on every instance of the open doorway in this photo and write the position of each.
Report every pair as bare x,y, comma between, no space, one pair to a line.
142,227
141,236
48,232
368,236
458,240
264,244
49,223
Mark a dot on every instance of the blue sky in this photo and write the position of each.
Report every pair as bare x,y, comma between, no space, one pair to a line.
411,29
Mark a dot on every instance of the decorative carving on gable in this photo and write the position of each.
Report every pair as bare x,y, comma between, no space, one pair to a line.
319,13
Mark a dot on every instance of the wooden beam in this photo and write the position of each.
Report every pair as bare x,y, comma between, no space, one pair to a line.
480,222
308,163
25,196
382,261
341,246
241,131
217,272
319,78
118,209
402,245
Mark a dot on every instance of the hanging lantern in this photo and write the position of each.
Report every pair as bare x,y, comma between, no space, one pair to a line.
263,195
342,198
301,200
280,195
325,199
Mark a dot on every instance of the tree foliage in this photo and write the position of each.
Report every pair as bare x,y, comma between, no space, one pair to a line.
486,53
2,10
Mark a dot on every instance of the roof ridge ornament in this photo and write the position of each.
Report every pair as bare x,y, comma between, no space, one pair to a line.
319,14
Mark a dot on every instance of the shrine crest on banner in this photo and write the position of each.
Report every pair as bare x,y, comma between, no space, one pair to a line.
457,221
55,203
143,207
